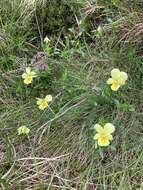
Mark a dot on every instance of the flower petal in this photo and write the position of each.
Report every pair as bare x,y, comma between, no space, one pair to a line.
96,136
110,137
28,70
115,87
48,98
24,75
115,73
110,81
41,107
109,128
103,143
98,128
27,81
124,76
39,101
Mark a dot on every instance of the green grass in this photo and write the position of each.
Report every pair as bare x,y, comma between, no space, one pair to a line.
60,152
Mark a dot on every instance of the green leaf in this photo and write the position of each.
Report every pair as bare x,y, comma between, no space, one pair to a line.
131,108
101,153
65,75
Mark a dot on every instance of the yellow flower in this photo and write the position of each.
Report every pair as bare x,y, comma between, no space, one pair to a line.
28,76
118,79
23,130
103,135
43,102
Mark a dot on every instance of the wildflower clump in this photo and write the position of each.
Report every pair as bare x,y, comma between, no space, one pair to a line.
43,102
28,76
104,134
118,79
23,130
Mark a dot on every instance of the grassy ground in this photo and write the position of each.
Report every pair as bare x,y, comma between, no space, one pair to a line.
59,152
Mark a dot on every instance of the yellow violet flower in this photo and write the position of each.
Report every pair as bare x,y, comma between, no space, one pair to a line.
23,130
118,79
103,135
43,102
28,76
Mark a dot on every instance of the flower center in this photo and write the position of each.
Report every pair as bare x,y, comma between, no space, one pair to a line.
44,103
117,82
104,138
29,77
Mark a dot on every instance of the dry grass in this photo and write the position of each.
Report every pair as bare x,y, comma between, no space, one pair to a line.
59,152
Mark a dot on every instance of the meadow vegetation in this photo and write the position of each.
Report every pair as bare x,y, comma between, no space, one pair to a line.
71,46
